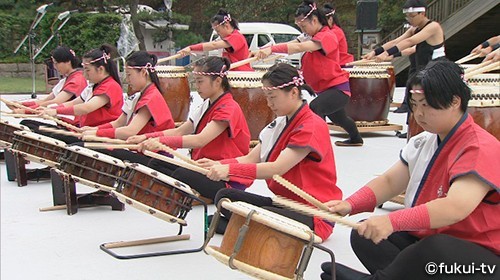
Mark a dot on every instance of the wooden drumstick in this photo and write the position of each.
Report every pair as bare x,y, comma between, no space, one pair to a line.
466,58
175,56
310,211
361,61
101,145
491,67
274,56
59,131
307,197
478,66
175,153
103,139
243,62
24,116
186,165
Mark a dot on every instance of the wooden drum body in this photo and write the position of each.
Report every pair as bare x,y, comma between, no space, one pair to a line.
155,193
174,87
370,96
7,132
387,66
263,244
91,168
246,88
38,148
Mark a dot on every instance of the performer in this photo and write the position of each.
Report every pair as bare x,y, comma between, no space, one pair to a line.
494,56
425,41
233,43
296,145
321,68
145,110
450,174
217,130
106,100
487,46
334,24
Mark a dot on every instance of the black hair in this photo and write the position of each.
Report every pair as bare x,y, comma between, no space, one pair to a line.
219,17
328,8
65,54
108,64
140,59
441,80
214,64
305,8
282,73
415,4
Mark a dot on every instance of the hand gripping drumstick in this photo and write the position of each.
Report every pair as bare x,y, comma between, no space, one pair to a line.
103,139
310,211
487,68
186,165
307,197
466,58
175,56
243,62
175,153
478,66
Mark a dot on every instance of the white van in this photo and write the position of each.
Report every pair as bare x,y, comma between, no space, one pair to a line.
259,34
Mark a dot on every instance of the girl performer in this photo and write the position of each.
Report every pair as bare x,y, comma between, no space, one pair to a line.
450,174
296,145
216,130
143,112
106,101
334,24
233,43
321,67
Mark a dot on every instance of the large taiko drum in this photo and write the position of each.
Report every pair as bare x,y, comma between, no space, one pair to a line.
246,88
38,148
370,96
174,87
91,168
7,132
387,66
155,193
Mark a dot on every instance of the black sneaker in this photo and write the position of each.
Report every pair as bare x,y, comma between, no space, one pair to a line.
403,135
221,226
402,109
341,272
349,143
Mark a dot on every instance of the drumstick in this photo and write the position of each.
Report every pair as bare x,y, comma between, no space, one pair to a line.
175,153
466,58
103,139
110,145
175,56
59,131
491,67
307,197
186,165
310,211
274,56
14,115
243,62
361,61
478,66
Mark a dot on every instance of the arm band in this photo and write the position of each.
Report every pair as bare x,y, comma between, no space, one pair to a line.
393,50
65,110
242,170
106,132
29,103
411,219
104,126
495,47
172,141
281,48
197,47
485,44
154,134
228,161
379,50
364,200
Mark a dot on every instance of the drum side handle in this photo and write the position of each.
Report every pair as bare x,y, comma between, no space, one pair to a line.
306,256
241,237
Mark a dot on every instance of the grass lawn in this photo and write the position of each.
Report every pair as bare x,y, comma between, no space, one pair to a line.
13,85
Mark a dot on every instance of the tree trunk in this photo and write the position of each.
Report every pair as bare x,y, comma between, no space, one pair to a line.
136,25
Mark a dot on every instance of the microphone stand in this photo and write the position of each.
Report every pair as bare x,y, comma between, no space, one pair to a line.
55,33
31,48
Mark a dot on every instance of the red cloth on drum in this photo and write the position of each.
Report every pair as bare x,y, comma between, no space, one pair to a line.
316,173
321,68
468,149
233,142
161,117
75,83
344,55
238,50
109,112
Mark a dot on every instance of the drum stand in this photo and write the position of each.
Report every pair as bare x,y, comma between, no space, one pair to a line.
106,247
16,168
64,194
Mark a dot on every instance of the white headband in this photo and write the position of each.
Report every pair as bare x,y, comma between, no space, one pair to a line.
414,10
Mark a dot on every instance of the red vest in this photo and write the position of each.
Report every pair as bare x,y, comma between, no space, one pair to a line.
161,118
109,112
238,50
344,55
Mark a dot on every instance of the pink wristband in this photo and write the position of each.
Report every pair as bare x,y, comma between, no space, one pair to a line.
106,132
172,141
154,134
228,161
242,170
197,47
364,200
65,110
104,126
411,219
281,48
29,103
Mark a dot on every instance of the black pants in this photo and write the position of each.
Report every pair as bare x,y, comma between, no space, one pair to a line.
331,103
403,256
35,127
260,201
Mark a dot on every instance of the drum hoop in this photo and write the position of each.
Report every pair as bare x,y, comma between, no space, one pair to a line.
161,177
100,156
7,144
372,123
243,267
245,79
147,209
41,138
14,125
273,220
167,71
35,158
